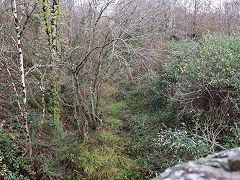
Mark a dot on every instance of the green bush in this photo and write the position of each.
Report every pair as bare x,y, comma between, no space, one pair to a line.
176,145
212,61
14,162
206,77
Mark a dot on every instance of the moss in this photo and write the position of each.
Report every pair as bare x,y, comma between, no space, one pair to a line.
117,108
114,123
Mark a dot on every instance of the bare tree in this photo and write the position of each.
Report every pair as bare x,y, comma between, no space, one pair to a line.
19,32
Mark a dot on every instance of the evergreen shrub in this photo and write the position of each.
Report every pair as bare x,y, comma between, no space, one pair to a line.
207,82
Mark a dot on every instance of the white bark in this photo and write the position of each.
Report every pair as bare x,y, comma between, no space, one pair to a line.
24,89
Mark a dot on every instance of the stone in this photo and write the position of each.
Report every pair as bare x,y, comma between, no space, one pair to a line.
224,165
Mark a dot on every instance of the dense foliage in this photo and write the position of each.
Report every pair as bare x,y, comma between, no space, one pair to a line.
115,89
14,163
207,82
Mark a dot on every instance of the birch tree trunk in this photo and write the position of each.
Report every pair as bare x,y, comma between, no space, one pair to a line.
24,89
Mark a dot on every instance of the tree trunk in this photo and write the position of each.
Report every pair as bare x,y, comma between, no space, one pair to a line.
24,89
43,108
81,111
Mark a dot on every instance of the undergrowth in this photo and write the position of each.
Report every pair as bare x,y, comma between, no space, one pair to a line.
103,157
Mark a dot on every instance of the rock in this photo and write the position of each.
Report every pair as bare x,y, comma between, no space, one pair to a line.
224,165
